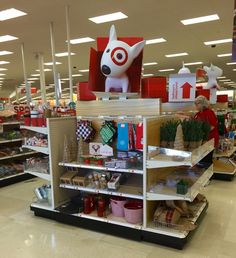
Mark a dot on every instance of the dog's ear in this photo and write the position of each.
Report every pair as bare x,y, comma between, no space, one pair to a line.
137,48
112,35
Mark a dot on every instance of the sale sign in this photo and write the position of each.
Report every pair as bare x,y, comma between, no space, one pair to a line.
182,87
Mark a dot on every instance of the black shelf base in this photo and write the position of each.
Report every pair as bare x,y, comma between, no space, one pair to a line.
15,179
223,177
116,230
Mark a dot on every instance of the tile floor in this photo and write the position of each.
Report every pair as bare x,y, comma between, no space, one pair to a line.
22,235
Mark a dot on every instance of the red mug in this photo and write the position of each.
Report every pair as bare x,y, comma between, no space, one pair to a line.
34,121
40,121
27,121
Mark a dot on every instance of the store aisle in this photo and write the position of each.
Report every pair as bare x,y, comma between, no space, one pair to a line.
26,236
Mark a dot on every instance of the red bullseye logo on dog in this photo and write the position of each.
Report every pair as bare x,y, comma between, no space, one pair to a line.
119,56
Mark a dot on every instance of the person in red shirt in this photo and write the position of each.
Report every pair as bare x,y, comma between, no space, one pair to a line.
207,115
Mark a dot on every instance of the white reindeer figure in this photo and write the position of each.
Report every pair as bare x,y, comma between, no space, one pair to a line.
213,72
116,59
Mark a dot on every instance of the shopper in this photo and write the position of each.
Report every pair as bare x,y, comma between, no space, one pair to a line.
207,115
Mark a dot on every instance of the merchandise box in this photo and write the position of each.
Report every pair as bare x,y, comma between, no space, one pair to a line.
222,98
203,92
84,92
97,79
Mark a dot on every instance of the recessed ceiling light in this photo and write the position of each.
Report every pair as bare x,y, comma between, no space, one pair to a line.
7,38
148,74
151,63
3,53
177,54
2,74
222,77
51,63
155,41
193,63
32,79
231,63
2,78
45,70
108,17
84,70
4,62
65,79
201,19
81,40
77,75
64,54
10,14
229,83
35,74
225,80
166,70
3,69
220,41
223,55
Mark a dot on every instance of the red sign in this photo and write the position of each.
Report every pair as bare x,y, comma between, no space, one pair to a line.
186,90
33,90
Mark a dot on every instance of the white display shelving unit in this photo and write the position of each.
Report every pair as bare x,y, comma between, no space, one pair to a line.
152,169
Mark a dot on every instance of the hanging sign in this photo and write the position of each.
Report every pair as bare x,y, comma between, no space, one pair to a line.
182,87
33,90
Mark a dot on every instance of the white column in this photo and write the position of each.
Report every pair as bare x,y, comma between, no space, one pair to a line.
42,78
27,85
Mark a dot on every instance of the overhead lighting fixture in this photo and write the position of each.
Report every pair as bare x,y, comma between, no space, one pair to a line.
215,42
51,63
65,79
222,77
151,63
3,69
35,74
108,17
166,70
231,63
2,74
229,83
32,79
223,55
6,38
193,63
177,54
84,70
45,70
225,80
4,53
201,19
148,74
77,75
2,78
4,62
81,40
10,14
155,41
64,54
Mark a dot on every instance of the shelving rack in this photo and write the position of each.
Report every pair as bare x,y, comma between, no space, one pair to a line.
151,169
20,176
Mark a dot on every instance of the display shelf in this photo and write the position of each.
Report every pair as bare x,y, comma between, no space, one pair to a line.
79,165
13,140
38,174
37,148
162,157
109,219
43,130
226,154
171,231
10,123
124,191
5,181
42,205
167,193
15,175
18,155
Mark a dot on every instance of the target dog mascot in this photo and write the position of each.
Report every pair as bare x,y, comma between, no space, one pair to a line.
116,59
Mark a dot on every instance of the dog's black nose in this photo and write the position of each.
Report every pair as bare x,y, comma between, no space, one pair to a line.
106,70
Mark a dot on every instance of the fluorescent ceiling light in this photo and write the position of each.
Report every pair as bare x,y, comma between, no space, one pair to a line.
10,14
3,69
166,70
77,75
151,63
33,79
231,63
148,74
4,62
108,17
201,19
51,63
2,78
228,83
155,41
64,54
7,38
2,74
45,70
193,63
221,77
84,70
81,40
177,54
3,53
65,79
225,80
220,41
35,74
223,55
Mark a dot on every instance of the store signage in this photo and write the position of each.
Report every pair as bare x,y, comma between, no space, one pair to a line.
33,90
106,150
22,108
95,148
182,87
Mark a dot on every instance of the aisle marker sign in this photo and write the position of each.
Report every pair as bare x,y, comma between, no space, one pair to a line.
182,87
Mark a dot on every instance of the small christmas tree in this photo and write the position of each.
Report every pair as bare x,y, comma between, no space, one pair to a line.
179,138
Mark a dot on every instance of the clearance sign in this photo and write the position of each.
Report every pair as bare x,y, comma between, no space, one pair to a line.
182,87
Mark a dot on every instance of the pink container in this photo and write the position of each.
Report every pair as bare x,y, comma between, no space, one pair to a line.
134,212
117,206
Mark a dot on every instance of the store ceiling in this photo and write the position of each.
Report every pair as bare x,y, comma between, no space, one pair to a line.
147,18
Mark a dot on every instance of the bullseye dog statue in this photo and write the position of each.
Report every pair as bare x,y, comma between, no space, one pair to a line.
116,59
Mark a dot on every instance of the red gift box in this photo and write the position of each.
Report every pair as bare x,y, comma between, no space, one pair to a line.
84,92
203,92
222,98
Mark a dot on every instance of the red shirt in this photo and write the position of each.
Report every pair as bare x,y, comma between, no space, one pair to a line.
208,116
